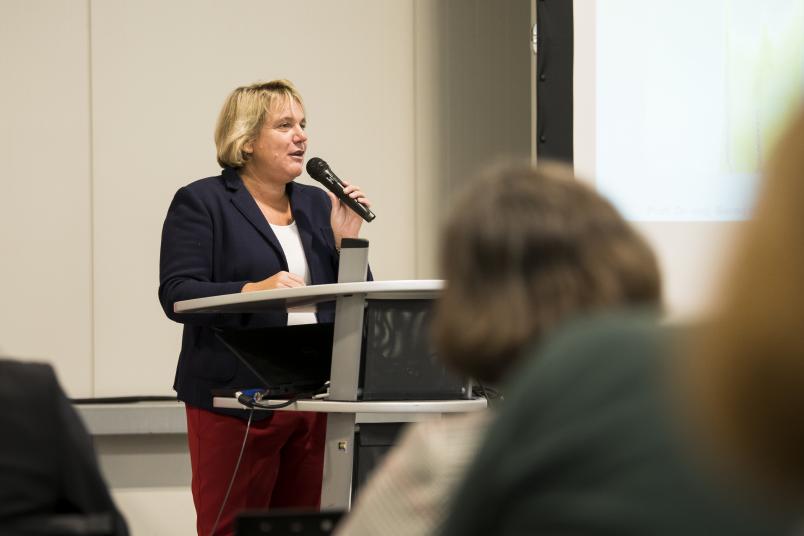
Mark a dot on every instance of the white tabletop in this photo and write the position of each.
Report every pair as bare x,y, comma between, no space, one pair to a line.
367,406
248,302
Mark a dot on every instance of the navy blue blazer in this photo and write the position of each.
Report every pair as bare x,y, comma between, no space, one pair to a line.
215,239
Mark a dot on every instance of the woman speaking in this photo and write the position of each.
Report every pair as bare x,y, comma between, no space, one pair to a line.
249,228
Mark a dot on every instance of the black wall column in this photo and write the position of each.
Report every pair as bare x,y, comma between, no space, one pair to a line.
554,59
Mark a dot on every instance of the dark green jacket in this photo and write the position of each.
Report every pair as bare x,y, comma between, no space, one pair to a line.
588,443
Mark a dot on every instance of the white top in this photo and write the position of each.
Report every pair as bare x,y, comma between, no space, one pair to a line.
289,239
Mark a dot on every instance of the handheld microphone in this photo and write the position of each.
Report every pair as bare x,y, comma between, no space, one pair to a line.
320,171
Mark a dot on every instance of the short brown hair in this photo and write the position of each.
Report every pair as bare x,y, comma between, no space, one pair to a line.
524,248
243,114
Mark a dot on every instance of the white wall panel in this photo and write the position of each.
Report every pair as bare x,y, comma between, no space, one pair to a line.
156,511
45,217
161,70
473,98
693,257
692,254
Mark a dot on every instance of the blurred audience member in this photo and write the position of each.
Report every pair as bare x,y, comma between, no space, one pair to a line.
524,250
749,374
621,426
50,482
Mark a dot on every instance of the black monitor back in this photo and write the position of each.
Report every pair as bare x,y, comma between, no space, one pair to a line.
399,361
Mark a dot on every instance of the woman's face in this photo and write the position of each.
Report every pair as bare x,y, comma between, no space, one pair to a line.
278,152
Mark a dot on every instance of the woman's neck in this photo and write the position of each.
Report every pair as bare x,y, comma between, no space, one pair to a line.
271,198
266,191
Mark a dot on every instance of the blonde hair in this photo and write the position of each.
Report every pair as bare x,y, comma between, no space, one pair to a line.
752,357
243,114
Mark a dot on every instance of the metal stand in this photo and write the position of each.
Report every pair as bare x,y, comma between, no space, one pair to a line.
346,345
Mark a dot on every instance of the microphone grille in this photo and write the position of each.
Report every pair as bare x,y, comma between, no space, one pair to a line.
315,166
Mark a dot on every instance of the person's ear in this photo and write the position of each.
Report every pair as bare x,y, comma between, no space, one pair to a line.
248,147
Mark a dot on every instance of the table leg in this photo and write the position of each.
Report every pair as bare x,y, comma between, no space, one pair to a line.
338,459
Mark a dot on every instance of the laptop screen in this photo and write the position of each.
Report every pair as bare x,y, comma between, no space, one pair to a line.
288,360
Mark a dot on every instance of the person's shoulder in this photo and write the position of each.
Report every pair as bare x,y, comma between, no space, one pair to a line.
447,441
210,191
311,201
25,369
627,334
29,377
593,354
208,184
308,191
596,382
452,428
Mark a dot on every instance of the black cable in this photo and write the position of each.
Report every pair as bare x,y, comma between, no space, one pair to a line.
483,390
488,393
286,403
123,399
256,400
234,473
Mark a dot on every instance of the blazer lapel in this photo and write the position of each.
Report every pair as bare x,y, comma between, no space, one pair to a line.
242,200
300,209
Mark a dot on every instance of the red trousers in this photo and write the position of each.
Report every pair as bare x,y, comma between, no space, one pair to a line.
282,465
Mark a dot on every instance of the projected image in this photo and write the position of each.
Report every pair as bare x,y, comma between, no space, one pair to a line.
690,95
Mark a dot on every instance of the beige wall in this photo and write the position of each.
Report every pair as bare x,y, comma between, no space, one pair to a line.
112,108
46,196
692,255
109,107
160,72
473,95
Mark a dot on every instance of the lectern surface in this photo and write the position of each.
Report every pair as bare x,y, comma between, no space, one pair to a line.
264,300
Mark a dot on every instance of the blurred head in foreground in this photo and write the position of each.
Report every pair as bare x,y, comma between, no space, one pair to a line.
750,371
525,248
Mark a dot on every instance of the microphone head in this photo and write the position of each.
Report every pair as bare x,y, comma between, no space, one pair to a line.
316,167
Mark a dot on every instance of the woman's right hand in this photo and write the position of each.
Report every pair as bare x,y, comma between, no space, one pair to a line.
278,280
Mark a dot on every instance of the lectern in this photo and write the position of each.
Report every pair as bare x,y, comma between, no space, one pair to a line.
350,294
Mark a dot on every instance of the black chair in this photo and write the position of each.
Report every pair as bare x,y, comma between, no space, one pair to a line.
287,522
101,524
